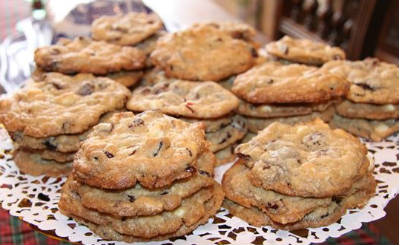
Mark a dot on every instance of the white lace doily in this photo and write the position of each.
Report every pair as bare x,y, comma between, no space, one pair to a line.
34,199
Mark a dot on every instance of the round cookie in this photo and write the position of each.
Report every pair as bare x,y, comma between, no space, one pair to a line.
195,210
213,54
304,51
33,164
138,201
222,132
307,159
280,208
376,130
372,81
280,110
61,104
256,124
149,148
367,111
184,98
273,82
128,29
83,55
358,196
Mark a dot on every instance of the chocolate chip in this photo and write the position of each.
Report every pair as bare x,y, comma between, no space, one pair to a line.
365,86
131,198
254,53
244,156
228,135
136,123
164,193
145,91
49,144
270,81
85,89
189,151
238,35
202,172
57,85
272,205
337,199
158,149
133,152
108,154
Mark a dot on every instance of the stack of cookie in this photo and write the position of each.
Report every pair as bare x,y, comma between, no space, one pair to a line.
143,177
48,119
273,91
140,30
371,108
205,102
294,177
290,50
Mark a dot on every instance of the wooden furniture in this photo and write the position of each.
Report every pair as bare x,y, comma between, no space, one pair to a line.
350,24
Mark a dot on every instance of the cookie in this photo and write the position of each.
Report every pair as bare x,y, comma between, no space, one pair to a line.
149,148
213,54
307,159
184,98
224,131
126,78
128,29
280,110
273,82
33,164
256,124
61,104
376,130
138,201
195,210
359,195
88,56
304,51
279,208
367,111
372,81
61,143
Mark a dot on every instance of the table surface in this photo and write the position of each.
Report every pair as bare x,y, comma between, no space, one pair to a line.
15,231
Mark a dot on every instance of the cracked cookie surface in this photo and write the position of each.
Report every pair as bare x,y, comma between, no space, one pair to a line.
128,29
83,55
307,159
304,51
272,82
61,104
149,148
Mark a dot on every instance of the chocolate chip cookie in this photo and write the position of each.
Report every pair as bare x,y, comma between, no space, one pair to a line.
128,29
149,148
273,82
34,164
367,111
184,98
307,159
280,110
372,81
304,51
88,56
61,104
375,130
255,124
138,201
202,52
